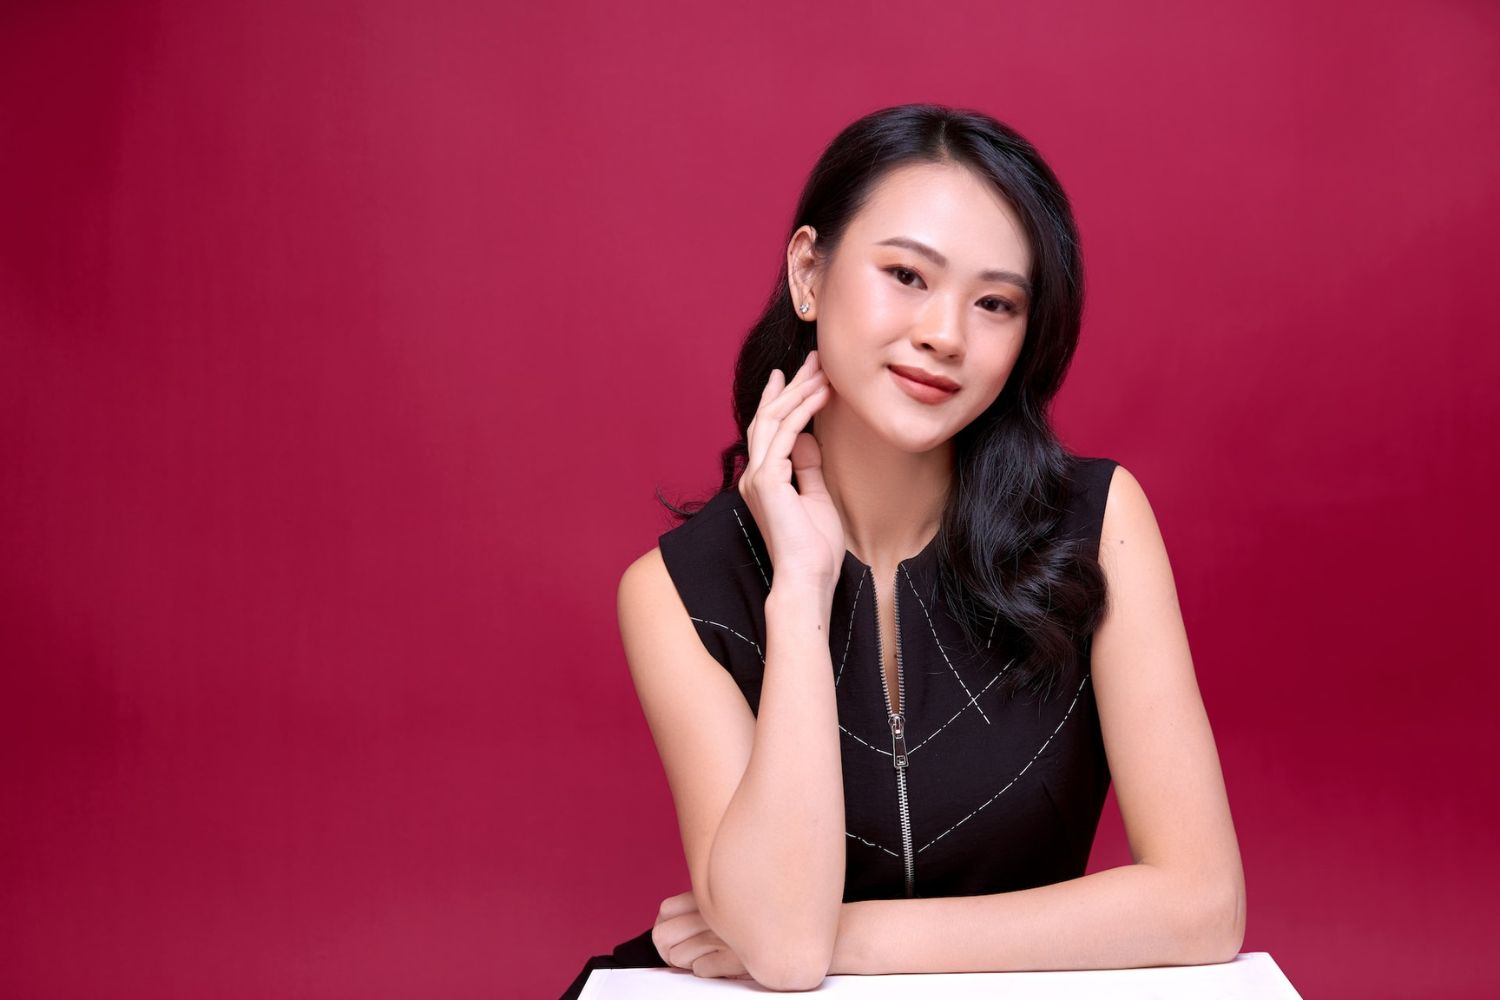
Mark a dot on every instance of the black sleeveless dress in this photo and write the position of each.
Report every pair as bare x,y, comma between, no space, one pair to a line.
971,792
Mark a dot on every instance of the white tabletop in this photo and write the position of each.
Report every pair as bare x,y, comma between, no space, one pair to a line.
1252,976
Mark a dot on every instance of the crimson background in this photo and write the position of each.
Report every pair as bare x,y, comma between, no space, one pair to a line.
343,346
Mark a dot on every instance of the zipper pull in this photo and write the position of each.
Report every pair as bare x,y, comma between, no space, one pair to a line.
898,739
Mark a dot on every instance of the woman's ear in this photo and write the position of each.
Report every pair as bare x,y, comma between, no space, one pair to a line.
801,272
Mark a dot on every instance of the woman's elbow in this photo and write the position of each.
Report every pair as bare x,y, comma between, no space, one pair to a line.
789,966
1219,932
788,973
790,954
1236,933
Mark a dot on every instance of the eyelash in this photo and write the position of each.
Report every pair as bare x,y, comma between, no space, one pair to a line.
1010,307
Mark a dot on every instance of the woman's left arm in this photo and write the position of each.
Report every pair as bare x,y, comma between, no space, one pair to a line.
1182,901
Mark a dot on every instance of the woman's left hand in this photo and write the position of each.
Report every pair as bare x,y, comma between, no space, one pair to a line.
685,941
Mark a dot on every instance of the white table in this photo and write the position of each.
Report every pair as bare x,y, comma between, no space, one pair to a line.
1251,976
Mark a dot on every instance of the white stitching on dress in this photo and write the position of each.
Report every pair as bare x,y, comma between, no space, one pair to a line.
961,711
862,742
751,547
938,642
939,729
726,628
871,843
762,656
849,639
1023,770
973,698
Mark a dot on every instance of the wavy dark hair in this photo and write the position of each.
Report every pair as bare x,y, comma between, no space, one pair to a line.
1004,562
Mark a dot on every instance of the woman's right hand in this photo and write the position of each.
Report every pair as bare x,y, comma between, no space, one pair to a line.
684,940
802,530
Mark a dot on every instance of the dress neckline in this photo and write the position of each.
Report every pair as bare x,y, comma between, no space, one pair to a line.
852,565
927,553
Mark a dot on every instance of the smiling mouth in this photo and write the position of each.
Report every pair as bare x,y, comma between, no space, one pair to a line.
925,378
921,391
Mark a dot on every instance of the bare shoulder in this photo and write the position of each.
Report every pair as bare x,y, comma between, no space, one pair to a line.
647,601
645,595
1128,516
1143,621
647,572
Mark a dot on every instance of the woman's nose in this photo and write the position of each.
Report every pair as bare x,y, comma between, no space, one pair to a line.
942,328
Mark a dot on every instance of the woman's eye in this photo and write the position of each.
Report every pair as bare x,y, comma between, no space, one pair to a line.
898,271
906,275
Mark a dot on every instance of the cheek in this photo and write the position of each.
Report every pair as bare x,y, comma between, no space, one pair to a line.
1000,353
1011,350
860,317
898,312
879,300
1000,363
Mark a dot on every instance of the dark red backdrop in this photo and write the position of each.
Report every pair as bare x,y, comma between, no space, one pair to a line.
343,347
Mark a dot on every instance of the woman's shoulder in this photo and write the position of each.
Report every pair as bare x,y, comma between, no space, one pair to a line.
1109,503
721,537
696,534
715,563
715,557
1092,468
718,514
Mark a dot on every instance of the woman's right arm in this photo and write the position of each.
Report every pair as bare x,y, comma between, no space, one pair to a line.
760,801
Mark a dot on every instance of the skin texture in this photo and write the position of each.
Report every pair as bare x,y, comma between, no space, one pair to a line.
760,802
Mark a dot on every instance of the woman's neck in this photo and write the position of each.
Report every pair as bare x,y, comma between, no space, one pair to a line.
890,501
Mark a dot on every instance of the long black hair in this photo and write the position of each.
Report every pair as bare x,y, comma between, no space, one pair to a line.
1004,563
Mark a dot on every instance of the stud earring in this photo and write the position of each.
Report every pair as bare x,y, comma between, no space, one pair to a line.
803,309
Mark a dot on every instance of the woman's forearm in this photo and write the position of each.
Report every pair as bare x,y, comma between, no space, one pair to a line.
1120,918
776,868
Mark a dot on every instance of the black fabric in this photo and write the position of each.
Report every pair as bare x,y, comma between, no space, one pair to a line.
1003,793
637,953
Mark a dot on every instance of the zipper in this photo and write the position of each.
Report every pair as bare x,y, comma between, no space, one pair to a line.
897,722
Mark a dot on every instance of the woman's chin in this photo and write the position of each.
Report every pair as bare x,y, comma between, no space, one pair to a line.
912,439
889,425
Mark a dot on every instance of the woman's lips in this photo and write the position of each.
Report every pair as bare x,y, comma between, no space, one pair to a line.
921,391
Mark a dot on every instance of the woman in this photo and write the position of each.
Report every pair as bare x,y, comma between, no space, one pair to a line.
859,797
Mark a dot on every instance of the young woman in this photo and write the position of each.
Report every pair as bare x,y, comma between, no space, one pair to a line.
892,666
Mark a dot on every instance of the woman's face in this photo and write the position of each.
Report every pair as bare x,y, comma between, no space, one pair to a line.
956,310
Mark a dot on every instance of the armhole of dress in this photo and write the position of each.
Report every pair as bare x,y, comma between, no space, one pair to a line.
685,583
1099,499
719,572
694,552
1090,506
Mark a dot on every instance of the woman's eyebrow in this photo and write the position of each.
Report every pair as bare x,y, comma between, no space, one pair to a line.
1010,277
